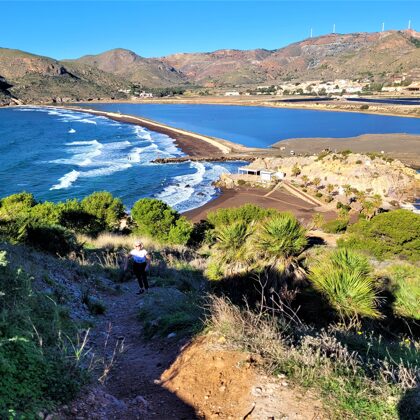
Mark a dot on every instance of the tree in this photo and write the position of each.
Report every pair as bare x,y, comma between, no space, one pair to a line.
16,205
316,182
296,170
344,278
330,188
371,207
107,209
305,180
153,217
389,234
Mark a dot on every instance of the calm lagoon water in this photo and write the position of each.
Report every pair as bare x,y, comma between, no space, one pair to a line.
59,154
261,127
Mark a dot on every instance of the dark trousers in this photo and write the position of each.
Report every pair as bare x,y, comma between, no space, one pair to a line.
141,274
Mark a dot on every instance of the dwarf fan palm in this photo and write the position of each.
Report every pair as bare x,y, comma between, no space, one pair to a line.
280,239
344,278
231,251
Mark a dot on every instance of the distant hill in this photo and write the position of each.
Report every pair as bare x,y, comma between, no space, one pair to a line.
326,57
150,72
379,56
33,78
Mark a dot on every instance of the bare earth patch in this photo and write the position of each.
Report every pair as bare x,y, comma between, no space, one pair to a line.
170,378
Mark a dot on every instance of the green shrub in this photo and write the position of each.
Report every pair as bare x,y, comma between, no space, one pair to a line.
36,371
391,234
45,213
335,226
180,233
247,213
344,278
153,217
16,205
318,195
52,239
156,219
364,106
279,238
107,209
405,286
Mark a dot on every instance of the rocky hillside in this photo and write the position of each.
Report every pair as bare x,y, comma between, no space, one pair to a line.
326,57
29,78
149,72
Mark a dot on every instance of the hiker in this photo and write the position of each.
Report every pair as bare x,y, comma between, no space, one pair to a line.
141,264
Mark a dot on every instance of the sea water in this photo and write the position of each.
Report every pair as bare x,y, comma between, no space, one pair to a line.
58,154
262,126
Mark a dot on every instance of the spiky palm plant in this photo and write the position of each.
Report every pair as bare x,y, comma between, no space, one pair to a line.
231,251
279,240
344,278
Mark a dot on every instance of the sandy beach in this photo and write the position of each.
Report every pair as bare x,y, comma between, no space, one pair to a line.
206,146
279,200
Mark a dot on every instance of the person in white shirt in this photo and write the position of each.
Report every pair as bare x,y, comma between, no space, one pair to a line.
141,264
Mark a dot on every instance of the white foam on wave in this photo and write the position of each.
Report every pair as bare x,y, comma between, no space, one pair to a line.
66,181
187,192
105,170
83,153
72,131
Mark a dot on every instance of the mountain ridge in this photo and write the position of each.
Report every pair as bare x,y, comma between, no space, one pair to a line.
379,56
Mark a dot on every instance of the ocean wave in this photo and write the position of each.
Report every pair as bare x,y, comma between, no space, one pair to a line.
187,192
72,131
66,181
182,186
105,170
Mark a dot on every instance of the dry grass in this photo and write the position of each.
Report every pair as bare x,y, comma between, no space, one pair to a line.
352,384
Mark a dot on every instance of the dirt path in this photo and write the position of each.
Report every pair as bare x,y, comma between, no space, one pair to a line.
172,379
132,388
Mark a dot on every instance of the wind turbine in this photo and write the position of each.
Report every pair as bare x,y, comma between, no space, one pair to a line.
383,26
311,32
334,28
409,24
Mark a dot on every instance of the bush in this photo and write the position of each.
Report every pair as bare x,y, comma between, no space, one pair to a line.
344,278
391,234
335,226
248,213
318,194
107,209
52,239
46,213
16,205
405,286
156,219
180,233
36,372
364,106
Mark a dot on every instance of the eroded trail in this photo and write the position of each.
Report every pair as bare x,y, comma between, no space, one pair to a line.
171,378
131,389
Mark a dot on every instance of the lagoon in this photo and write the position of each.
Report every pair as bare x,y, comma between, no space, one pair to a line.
262,126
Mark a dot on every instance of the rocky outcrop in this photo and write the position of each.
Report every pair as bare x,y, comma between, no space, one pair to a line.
31,78
326,57
390,179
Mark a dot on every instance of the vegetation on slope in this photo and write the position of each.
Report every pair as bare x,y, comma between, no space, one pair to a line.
329,319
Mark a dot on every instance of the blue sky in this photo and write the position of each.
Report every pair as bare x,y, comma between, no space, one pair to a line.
67,29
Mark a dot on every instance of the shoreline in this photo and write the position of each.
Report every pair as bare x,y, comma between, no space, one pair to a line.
375,108
401,146
186,140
